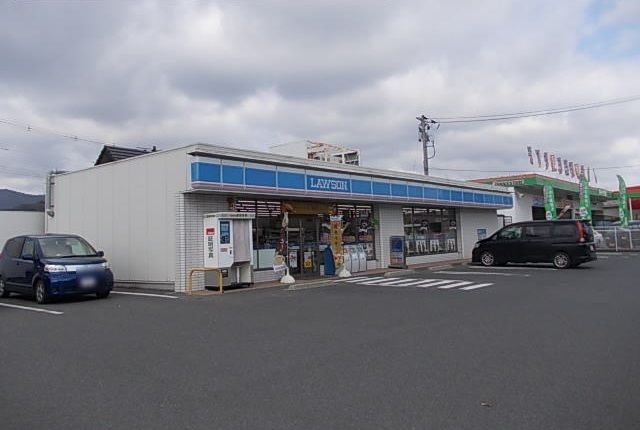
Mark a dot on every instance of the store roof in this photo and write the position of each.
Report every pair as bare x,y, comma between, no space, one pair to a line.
535,182
112,153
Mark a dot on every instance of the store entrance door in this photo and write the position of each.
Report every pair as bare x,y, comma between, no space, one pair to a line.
304,252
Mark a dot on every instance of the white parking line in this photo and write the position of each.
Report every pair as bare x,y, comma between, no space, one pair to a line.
484,273
28,308
457,284
164,296
473,287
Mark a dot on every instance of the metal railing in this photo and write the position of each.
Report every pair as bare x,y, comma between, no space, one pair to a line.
618,239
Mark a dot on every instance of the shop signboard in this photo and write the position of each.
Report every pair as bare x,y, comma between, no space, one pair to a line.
397,257
336,238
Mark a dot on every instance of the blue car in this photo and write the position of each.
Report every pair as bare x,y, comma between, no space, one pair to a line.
53,265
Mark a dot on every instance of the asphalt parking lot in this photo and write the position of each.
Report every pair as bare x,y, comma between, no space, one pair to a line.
458,348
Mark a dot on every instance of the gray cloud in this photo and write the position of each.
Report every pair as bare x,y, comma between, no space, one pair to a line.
251,74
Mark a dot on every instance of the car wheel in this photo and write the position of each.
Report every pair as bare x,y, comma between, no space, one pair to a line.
41,293
103,294
3,290
487,258
561,260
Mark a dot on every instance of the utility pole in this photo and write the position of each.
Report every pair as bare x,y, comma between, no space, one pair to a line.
423,136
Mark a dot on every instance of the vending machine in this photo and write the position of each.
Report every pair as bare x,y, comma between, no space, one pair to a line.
228,244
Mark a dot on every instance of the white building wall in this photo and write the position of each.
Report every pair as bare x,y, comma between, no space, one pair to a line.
390,224
470,221
126,209
521,210
15,223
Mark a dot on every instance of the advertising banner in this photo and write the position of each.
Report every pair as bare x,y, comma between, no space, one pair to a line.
396,254
572,171
552,159
549,201
546,161
623,202
336,238
538,158
560,165
585,199
530,153
566,167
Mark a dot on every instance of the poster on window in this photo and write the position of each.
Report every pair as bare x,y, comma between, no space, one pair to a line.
293,259
482,233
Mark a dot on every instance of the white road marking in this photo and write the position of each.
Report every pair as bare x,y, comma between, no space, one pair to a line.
512,267
377,281
473,287
484,273
28,308
457,284
422,281
433,284
164,296
386,284
360,278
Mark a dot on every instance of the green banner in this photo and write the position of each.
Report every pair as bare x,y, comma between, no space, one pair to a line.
585,199
549,201
623,202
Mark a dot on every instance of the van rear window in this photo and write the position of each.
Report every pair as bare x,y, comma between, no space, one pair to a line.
13,247
565,230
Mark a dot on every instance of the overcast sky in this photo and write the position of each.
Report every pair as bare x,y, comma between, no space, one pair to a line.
250,74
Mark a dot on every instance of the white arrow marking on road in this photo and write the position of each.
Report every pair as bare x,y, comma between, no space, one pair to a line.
28,308
473,287
164,296
457,284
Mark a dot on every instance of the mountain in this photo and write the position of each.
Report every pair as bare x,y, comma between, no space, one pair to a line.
16,201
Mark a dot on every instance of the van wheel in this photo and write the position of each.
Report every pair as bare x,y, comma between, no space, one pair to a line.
561,260
41,293
487,258
3,290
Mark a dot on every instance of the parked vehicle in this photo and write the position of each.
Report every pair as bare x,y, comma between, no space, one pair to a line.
565,243
598,239
48,266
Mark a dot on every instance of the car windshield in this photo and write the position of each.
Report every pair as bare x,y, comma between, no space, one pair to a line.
65,247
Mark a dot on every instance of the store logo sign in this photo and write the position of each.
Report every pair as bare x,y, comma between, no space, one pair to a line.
327,184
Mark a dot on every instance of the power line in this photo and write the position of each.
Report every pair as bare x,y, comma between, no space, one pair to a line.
44,130
533,113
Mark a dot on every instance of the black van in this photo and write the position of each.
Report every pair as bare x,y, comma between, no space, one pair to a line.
565,243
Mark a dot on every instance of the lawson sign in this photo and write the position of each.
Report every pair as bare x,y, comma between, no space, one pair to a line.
323,183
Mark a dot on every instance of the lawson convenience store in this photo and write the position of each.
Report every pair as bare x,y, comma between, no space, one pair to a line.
149,217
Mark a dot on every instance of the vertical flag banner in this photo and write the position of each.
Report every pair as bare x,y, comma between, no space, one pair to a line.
589,174
560,165
572,171
530,153
549,201
566,167
585,199
546,161
552,158
595,177
538,157
623,202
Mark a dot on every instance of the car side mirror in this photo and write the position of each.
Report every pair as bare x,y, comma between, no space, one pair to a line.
100,253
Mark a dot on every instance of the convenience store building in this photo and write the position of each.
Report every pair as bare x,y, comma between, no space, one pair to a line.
146,212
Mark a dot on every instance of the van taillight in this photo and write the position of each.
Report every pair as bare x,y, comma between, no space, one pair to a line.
582,234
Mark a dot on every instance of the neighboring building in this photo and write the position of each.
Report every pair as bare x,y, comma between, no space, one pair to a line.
15,223
318,151
528,198
146,212
111,153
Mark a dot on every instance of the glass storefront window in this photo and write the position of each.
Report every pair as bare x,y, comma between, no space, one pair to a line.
430,230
